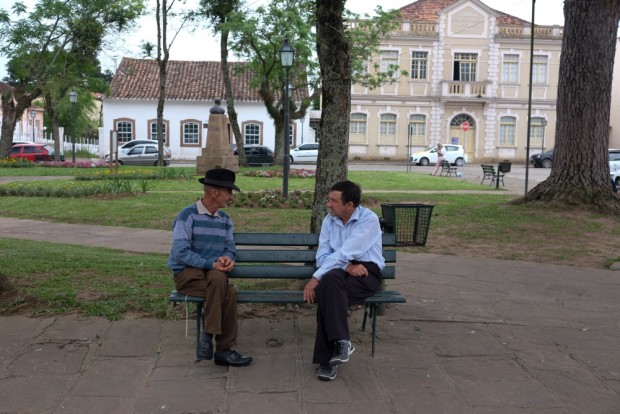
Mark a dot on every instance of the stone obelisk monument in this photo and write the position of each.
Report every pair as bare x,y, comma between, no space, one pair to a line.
217,153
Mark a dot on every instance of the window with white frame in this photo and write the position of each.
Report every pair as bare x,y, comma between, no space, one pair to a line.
124,131
153,135
389,59
191,133
539,70
537,131
507,130
357,124
465,67
387,128
417,129
419,61
251,134
510,68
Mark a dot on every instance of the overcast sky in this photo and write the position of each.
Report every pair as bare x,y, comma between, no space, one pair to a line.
202,45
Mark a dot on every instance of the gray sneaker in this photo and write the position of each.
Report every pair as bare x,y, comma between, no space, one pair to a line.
342,351
326,372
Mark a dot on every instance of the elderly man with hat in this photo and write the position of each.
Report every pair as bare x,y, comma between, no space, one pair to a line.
203,252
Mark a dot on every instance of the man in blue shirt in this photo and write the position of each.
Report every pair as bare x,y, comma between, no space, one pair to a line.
203,252
349,262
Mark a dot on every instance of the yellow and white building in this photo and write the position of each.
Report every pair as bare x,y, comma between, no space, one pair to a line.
467,83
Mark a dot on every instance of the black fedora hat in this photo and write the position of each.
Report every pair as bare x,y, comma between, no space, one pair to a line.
220,177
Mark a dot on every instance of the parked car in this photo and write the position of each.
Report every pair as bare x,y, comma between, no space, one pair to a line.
144,154
32,152
124,149
305,153
544,159
257,154
454,154
614,166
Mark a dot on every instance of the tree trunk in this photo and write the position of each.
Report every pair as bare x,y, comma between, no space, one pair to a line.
52,113
335,62
580,173
5,285
14,103
162,61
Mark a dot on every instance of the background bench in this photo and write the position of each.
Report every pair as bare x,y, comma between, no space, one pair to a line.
287,256
447,168
489,172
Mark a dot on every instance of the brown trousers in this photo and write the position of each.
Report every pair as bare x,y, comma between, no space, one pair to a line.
220,308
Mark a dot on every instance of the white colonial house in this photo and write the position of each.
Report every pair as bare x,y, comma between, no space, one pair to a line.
130,110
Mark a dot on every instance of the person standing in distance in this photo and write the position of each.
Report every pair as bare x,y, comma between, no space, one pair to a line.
441,152
349,261
203,253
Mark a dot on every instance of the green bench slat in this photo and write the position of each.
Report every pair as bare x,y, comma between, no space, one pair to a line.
242,271
290,256
292,239
284,296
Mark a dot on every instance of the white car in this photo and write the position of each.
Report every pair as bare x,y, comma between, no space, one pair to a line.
144,154
124,149
454,154
305,153
614,166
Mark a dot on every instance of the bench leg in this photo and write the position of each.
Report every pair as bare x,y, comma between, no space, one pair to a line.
371,310
199,317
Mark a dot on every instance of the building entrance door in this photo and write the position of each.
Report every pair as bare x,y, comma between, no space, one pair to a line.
463,132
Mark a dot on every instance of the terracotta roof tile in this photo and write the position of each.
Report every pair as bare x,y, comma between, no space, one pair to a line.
138,79
428,11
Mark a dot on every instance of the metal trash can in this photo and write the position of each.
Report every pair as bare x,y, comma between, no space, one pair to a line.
504,166
410,222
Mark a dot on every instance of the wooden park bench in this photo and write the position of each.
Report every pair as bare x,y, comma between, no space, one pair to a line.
447,168
489,172
287,257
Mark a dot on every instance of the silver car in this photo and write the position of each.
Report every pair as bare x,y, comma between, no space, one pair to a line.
144,154
305,153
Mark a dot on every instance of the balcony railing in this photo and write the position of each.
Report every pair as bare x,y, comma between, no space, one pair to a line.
464,89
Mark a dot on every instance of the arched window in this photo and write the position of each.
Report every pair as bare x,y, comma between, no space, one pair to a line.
153,130
417,129
537,131
125,130
387,128
252,132
507,130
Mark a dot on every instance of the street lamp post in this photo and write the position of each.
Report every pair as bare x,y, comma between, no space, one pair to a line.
544,125
287,57
73,99
33,115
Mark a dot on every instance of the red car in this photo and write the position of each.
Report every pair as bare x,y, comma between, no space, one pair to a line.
32,152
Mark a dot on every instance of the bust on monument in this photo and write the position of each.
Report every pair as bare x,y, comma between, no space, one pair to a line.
217,109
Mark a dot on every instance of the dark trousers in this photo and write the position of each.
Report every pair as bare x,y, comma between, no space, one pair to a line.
335,293
220,308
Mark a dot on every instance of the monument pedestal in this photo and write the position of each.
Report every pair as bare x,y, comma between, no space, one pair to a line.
217,153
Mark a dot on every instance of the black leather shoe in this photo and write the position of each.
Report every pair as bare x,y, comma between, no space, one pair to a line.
230,357
205,347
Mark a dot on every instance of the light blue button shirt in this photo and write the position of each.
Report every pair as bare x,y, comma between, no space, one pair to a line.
339,243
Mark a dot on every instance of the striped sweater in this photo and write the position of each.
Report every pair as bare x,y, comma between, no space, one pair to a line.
199,238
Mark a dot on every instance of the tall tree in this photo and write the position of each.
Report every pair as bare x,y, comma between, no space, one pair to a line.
163,12
56,35
580,172
256,37
218,11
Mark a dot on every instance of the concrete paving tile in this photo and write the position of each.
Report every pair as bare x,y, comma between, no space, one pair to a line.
114,377
512,394
75,327
487,368
96,405
204,369
366,407
51,359
271,370
39,394
265,402
422,400
354,383
132,337
191,395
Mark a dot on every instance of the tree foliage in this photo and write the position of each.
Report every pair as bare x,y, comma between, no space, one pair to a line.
580,173
53,49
